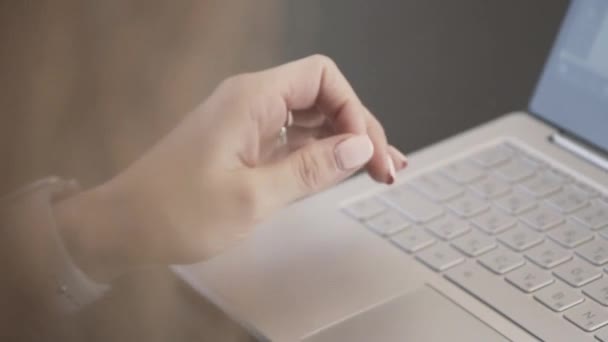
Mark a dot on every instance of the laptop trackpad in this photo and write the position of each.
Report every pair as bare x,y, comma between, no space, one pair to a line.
422,315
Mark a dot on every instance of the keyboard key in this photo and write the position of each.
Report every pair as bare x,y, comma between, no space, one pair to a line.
542,218
448,227
602,334
559,297
571,234
577,273
413,239
440,257
568,200
548,255
589,190
595,216
540,164
467,205
543,184
529,278
520,238
490,187
501,261
494,221
510,302
387,223
436,187
561,175
515,170
598,291
415,206
588,316
462,172
474,244
493,156
596,252
365,208
516,202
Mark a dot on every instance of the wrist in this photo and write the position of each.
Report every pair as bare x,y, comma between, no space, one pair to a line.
47,270
88,225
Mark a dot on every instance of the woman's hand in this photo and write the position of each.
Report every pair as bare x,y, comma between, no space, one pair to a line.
221,170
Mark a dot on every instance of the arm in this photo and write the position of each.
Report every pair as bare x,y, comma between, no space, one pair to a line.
205,185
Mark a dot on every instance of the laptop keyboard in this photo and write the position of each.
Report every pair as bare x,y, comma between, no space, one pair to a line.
503,214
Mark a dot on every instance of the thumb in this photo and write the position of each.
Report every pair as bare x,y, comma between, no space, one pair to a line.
315,166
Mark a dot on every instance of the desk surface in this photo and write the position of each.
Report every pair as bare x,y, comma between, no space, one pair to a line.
151,305
154,305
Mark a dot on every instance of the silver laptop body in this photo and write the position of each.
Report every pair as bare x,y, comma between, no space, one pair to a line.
497,234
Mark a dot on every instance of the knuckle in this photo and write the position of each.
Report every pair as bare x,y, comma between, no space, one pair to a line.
234,84
323,61
309,171
229,83
375,125
248,200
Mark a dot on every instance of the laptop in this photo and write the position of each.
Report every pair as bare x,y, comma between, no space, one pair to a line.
499,233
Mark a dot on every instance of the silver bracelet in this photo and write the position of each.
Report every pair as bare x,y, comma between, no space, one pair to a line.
72,288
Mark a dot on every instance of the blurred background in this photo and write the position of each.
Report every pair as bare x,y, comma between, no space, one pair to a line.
431,68
87,86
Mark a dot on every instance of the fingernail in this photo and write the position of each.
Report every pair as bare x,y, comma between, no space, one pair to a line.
391,170
353,152
403,162
401,158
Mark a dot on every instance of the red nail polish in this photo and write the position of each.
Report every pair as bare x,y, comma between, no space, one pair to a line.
391,170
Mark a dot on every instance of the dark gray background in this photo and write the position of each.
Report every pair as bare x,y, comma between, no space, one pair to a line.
430,68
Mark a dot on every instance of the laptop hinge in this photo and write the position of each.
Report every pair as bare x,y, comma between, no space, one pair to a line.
580,150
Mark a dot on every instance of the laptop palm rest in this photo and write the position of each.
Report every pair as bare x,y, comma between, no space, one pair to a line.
421,315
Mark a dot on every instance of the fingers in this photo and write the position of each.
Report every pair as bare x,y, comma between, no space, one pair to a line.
309,118
399,159
308,85
301,86
317,83
300,136
297,136
381,166
314,167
